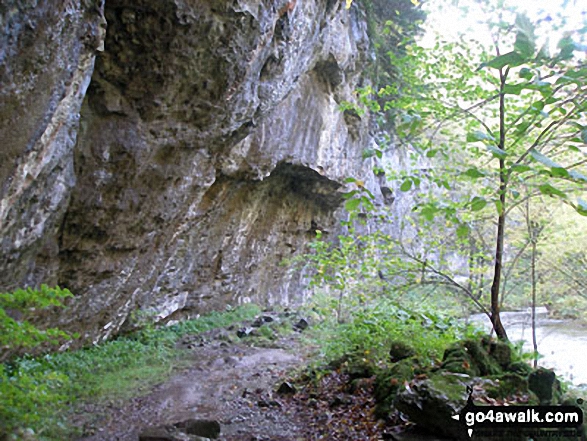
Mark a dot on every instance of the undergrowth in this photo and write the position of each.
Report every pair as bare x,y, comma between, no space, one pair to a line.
37,393
367,334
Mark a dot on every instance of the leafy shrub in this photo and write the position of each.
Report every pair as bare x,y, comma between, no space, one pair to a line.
368,334
28,387
17,334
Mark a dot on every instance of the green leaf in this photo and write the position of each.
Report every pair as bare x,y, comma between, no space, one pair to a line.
478,135
544,52
368,153
352,204
567,47
559,172
513,89
463,231
525,43
474,173
428,212
378,153
498,206
519,168
543,159
549,190
511,59
538,105
581,207
497,152
577,176
526,73
431,153
349,194
584,136
478,203
349,180
406,185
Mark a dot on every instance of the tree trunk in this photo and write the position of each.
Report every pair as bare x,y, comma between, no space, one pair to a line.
495,286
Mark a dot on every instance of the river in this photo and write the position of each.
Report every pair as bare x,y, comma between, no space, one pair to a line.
562,343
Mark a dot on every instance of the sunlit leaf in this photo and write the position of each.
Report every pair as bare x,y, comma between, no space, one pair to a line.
526,73
520,168
559,172
462,231
478,203
474,173
543,159
428,212
497,152
498,206
478,135
406,185
581,207
352,204
511,59
549,190
525,43
350,194
577,176
513,89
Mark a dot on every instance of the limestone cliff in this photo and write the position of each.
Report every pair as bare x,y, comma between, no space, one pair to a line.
208,147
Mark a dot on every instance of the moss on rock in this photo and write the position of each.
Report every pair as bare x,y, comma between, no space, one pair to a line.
470,357
399,351
390,380
507,385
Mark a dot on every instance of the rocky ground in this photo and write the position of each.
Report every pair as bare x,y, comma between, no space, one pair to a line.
249,388
252,382
229,380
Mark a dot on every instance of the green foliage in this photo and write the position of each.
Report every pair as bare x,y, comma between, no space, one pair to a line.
371,328
39,392
18,333
28,396
487,123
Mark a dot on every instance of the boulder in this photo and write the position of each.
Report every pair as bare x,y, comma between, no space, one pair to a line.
471,357
389,381
399,350
431,403
545,385
202,428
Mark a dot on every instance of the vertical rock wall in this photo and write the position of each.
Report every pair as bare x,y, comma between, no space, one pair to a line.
211,146
47,51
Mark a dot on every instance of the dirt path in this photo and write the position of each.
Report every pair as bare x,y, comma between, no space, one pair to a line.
232,383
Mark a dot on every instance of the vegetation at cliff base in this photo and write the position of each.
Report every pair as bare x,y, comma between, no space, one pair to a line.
37,393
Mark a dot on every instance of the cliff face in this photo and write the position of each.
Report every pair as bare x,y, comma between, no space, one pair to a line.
207,148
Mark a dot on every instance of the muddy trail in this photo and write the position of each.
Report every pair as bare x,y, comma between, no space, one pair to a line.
229,380
240,385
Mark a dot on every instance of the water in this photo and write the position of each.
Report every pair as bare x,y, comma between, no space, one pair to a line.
562,343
